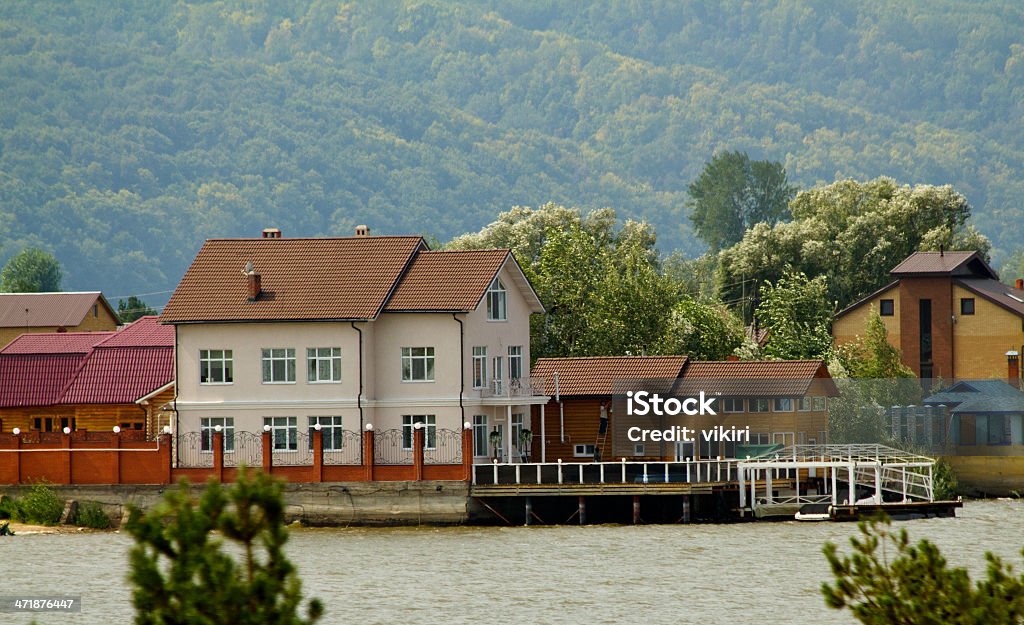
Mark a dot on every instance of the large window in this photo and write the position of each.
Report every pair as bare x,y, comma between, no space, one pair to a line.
208,426
732,404
479,367
334,436
480,435
284,432
518,425
216,366
279,366
417,364
323,364
496,296
783,404
804,404
515,362
429,433
759,404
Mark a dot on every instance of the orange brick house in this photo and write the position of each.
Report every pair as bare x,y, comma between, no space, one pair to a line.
24,313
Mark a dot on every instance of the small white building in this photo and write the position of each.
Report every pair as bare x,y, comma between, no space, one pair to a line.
353,331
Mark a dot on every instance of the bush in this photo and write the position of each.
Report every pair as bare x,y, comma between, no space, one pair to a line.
7,507
91,515
944,479
40,505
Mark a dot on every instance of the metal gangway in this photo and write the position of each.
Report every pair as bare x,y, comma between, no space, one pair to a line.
889,474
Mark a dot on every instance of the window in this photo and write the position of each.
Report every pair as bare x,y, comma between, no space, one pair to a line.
804,404
216,366
732,404
966,305
783,404
284,433
819,403
330,427
496,301
96,310
417,364
515,362
479,367
886,307
517,431
480,435
583,451
279,366
498,374
999,431
208,426
760,438
323,364
759,404
53,424
638,449
429,435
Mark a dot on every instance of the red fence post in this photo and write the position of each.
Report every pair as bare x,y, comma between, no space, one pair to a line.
268,453
417,452
318,455
218,455
467,451
115,465
65,443
368,453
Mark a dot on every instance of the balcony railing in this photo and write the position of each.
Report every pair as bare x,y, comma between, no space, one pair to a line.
517,387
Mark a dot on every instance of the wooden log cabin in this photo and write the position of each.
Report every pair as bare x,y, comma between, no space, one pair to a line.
782,403
89,381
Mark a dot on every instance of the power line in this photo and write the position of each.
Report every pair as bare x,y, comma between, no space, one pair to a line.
140,294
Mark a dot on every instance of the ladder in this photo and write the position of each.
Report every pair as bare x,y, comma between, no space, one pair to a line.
602,434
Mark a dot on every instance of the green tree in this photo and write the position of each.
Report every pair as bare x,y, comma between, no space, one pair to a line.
733,193
853,233
797,315
131,309
181,573
31,271
888,581
701,330
873,356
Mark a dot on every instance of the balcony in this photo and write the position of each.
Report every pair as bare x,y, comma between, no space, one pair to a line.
515,388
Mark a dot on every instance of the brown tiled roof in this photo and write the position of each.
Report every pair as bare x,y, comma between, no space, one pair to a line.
760,378
998,293
596,376
446,280
316,279
945,263
48,310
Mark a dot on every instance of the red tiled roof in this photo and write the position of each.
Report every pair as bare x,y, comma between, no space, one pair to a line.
55,343
120,375
446,280
35,379
143,332
945,263
762,378
323,278
48,310
597,375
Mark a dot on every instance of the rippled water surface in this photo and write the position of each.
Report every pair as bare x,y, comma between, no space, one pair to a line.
709,574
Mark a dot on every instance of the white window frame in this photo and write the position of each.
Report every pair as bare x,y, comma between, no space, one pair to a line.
413,355
480,433
498,374
518,425
804,404
820,403
273,356
479,367
755,404
515,362
497,301
208,425
316,356
729,404
779,404
429,431
331,428
226,362
283,431
583,450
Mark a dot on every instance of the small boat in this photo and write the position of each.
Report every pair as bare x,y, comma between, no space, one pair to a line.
814,512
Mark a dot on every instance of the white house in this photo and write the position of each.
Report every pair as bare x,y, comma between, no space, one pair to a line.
348,332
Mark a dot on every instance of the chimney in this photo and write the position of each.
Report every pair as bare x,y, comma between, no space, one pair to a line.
1013,367
254,286
1020,284
362,231
271,233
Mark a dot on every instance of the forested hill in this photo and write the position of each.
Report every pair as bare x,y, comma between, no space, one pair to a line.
130,133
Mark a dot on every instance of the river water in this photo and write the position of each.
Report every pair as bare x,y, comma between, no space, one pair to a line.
708,574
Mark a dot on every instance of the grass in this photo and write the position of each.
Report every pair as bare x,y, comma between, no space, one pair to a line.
91,515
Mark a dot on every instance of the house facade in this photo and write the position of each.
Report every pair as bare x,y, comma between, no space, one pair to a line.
353,333
29,313
947,313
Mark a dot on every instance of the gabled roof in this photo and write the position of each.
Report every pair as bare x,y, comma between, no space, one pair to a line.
996,292
48,310
87,367
455,281
596,375
967,264
866,299
979,396
346,278
753,378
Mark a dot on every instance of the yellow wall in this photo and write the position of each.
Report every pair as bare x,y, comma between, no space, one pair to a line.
989,475
981,340
102,322
847,328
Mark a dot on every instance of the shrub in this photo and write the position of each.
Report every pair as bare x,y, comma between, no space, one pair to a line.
8,508
91,514
40,505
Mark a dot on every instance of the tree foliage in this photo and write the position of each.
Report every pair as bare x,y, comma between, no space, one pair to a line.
701,330
182,574
888,581
872,355
733,193
31,271
852,233
131,309
797,315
